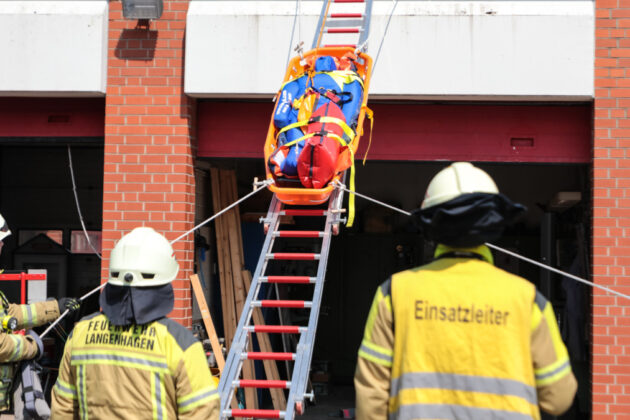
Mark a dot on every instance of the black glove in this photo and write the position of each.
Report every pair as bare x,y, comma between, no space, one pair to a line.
32,335
71,304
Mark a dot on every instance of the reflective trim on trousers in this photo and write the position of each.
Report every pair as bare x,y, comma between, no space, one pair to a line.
6,382
455,412
451,381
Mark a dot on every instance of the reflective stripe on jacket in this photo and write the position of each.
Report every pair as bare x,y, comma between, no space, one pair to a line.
152,371
459,338
16,347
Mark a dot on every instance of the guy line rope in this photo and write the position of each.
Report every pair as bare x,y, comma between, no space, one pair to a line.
258,186
497,248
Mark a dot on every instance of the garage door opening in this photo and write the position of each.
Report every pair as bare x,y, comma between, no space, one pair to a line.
37,200
555,229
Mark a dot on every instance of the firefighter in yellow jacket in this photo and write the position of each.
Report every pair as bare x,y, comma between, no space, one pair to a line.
130,361
459,338
15,347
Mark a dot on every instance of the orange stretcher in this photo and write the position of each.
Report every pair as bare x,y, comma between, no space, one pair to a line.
312,196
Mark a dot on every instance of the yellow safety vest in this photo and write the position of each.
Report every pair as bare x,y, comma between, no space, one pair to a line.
465,352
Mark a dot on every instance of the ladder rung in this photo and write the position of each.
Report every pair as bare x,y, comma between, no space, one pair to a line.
299,234
293,256
266,355
258,414
303,212
262,383
346,15
341,45
276,329
349,1
289,279
343,30
282,304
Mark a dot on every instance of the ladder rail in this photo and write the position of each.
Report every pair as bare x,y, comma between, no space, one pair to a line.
353,22
366,25
304,351
233,363
320,23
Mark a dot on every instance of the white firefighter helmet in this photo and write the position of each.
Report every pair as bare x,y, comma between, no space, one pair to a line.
4,228
457,179
142,258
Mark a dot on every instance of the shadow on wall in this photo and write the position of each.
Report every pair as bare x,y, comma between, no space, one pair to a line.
136,44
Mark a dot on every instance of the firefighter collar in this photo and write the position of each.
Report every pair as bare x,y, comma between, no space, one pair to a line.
481,252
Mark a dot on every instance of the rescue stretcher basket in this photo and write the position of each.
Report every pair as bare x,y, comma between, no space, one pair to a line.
314,196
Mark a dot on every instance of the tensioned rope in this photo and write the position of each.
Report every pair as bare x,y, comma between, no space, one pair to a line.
87,237
297,18
82,298
76,200
389,19
258,186
497,248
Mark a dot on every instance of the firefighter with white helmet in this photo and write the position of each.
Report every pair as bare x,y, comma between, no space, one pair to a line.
16,347
130,361
459,338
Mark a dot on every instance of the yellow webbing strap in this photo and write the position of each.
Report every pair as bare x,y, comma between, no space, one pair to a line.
370,115
308,136
351,211
325,119
291,126
349,132
342,77
291,80
350,220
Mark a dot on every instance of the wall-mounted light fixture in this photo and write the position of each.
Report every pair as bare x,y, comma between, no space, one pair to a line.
142,9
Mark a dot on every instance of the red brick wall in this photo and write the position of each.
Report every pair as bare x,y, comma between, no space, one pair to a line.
149,177
611,211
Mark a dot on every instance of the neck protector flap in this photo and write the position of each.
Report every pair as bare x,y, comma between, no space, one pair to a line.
126,305
469,220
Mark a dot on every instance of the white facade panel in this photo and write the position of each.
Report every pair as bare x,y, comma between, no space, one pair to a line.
53,48
433,49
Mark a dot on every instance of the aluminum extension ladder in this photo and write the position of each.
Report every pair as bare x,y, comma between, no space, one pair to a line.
341,21
231,377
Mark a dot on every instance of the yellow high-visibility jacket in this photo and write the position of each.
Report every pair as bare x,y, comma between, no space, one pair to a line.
460,338
16,347
152,371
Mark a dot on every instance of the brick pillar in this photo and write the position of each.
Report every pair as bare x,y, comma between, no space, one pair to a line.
611,211
149,176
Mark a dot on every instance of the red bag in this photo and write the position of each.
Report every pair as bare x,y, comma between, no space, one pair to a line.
317,162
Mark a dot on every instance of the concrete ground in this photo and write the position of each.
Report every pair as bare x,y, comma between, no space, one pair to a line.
328,407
